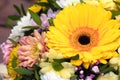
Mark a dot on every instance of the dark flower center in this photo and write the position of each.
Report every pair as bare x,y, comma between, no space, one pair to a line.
84,40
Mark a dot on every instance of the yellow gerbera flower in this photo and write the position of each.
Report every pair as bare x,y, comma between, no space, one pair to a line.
86,30
10,66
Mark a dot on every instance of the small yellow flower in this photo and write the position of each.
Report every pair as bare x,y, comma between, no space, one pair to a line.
10,67
36,8
52,54
115,62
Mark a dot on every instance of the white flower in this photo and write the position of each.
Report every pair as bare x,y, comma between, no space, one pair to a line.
66,3
51,76
108,76
18,30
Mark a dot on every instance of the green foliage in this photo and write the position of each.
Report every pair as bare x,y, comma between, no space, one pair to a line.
115,13
23,10
76,57
35,17
14,42
20,10
57,66
36,73
50,4
42,4
14,61
73,77
51,22
119,73
23,71
81,1
30,27
37,76
106,68
54,4
18,78
60,60
17,9
118,3
14,17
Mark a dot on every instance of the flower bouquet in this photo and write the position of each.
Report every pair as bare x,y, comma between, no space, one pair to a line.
65,40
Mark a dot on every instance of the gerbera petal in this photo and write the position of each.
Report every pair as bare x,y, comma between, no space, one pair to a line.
109,32
76,62
87,16
86,65
111,54
103,61
108,47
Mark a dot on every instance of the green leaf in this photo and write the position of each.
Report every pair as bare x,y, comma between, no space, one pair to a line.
47,60
115,13
103,67
108,70
30,27
73,77
14,42
23,10
18,78
118,3
81,1
14,61
37,75
35,17
76,57
10,23
57,66
53,3
17,9
119,73
59,60
51,22
14,17
23,71
42,4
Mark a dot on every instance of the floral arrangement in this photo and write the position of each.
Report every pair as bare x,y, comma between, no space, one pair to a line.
65,40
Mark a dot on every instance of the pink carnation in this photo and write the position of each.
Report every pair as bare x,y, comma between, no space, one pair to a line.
6,50
30,49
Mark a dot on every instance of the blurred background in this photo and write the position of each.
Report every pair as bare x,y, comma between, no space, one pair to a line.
6,9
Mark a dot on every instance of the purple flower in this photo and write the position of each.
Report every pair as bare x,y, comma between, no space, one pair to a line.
95,69
90,77
45,18
52,14
6,50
